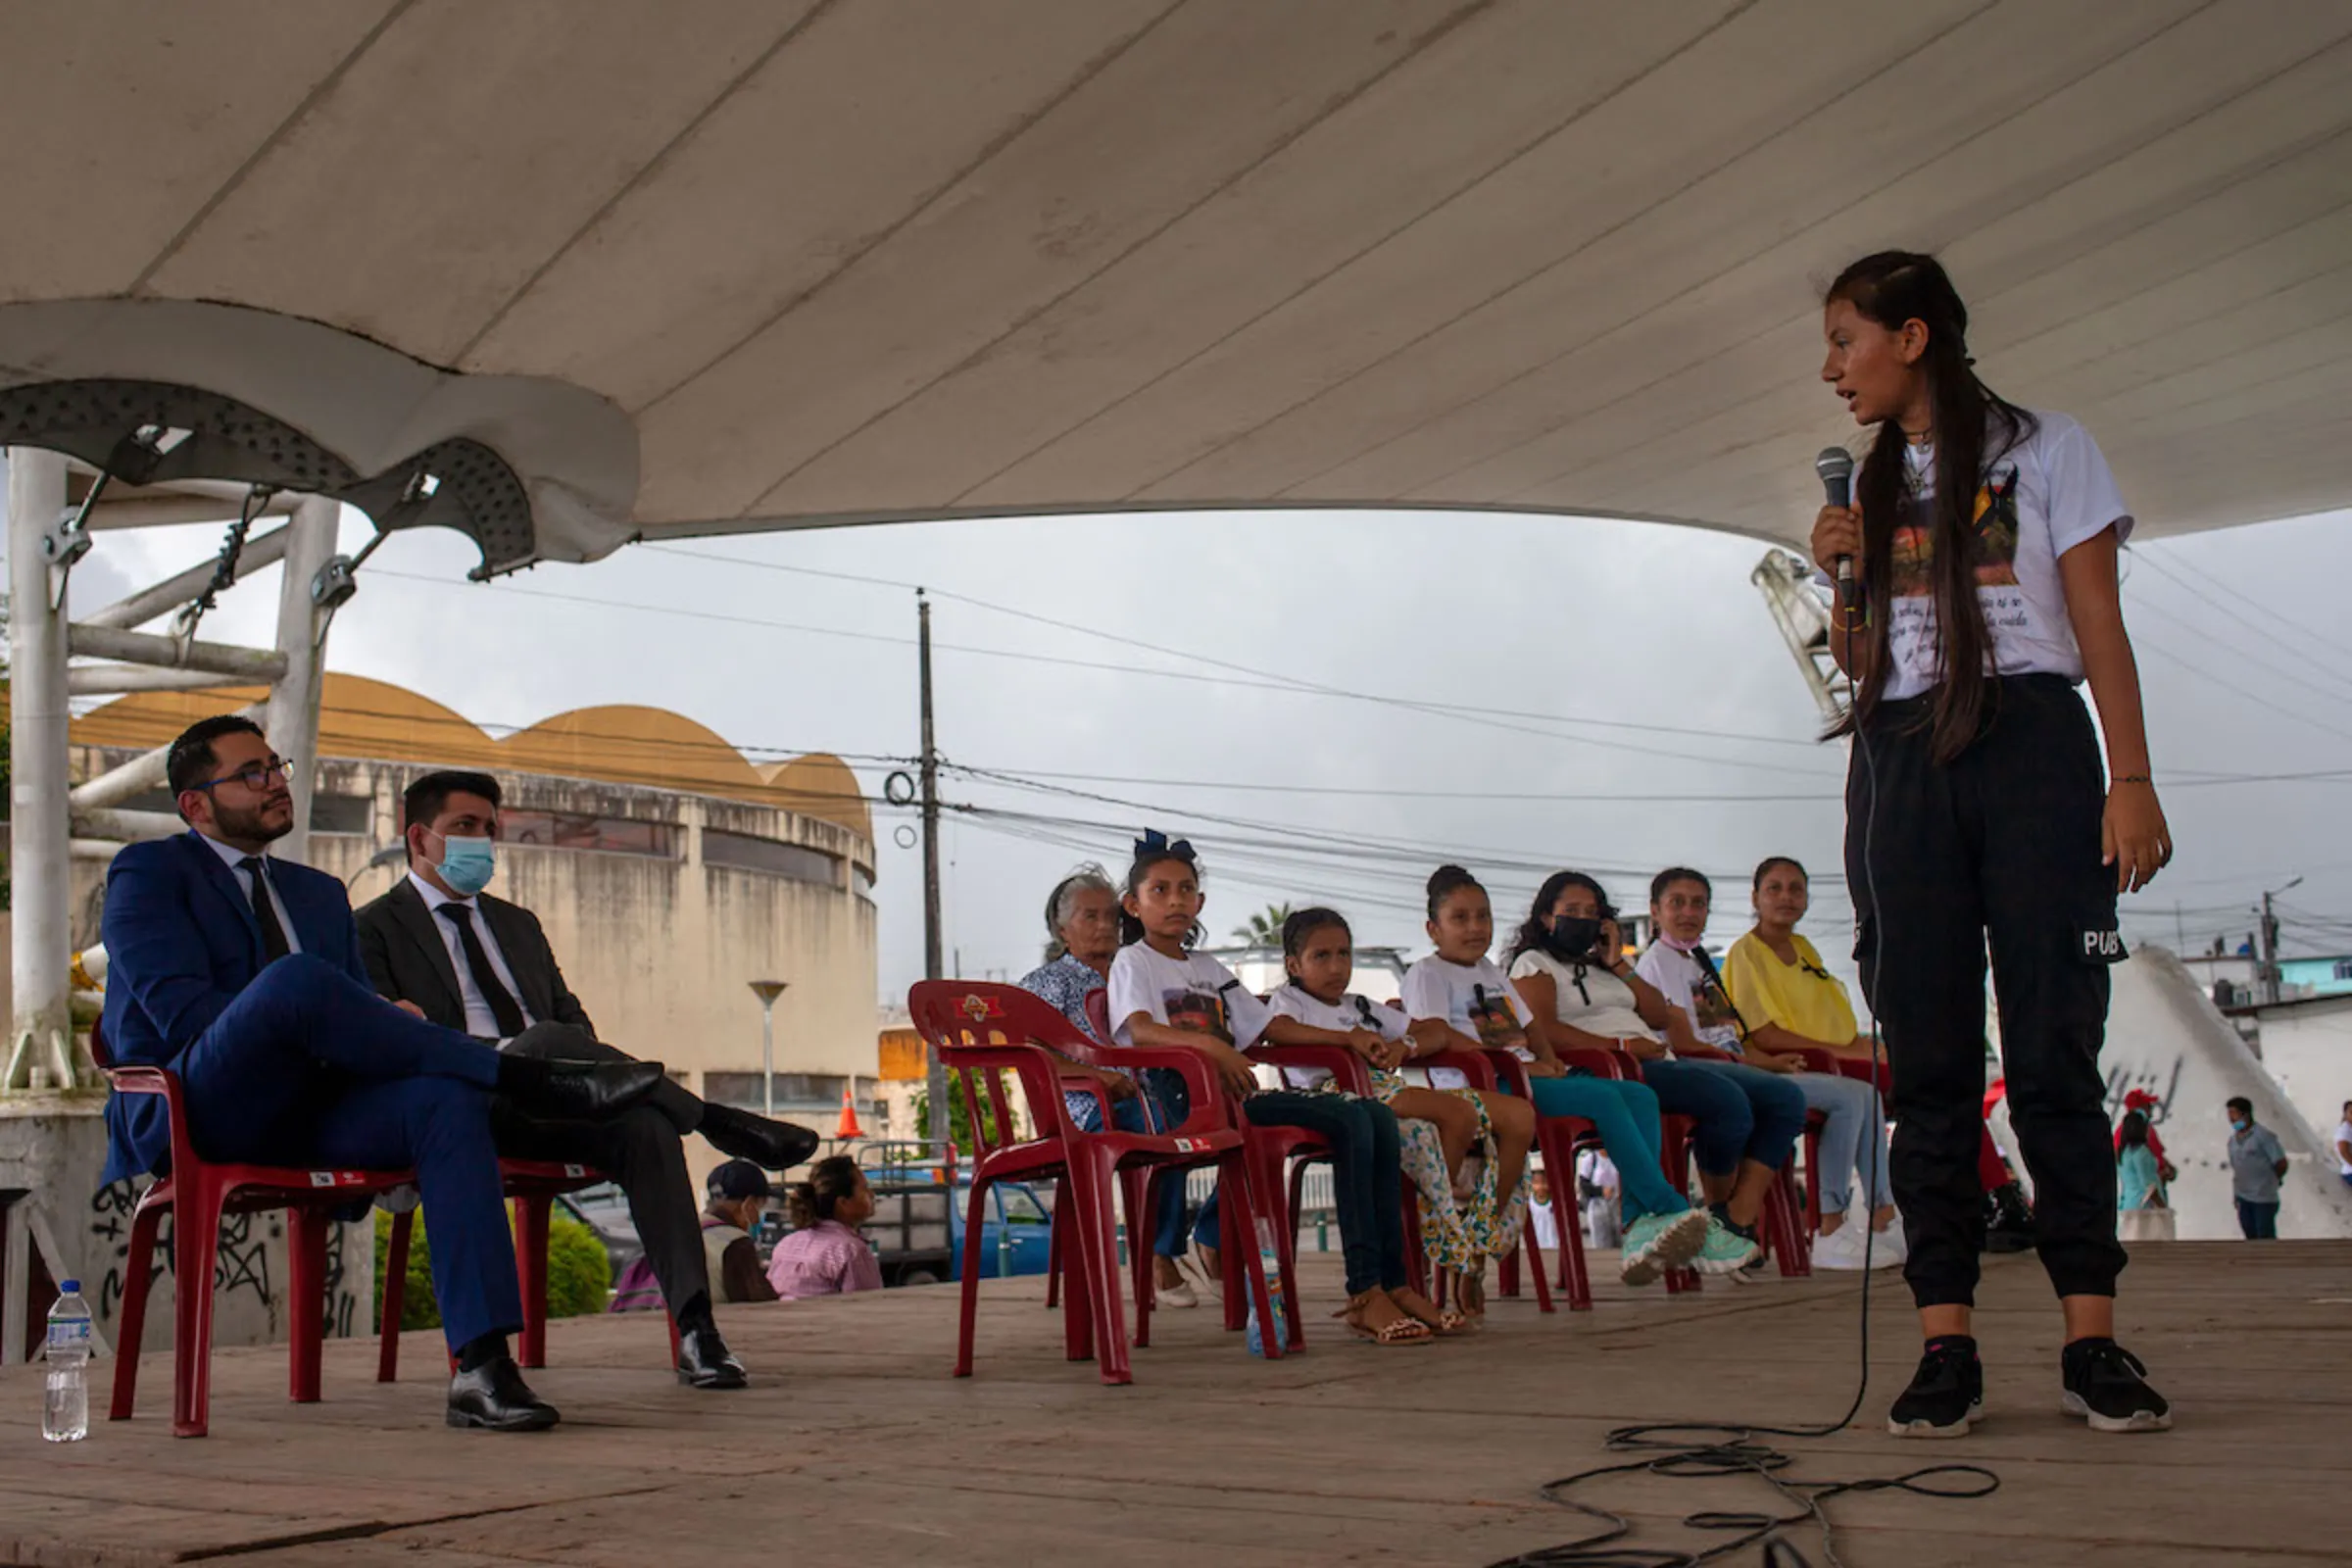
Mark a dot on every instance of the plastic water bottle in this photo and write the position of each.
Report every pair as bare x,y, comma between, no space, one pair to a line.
65,1414
1269,1259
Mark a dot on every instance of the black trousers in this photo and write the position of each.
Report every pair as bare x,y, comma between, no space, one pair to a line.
2000,844
639,1148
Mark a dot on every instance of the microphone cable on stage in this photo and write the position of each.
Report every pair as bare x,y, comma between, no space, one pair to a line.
1710,1450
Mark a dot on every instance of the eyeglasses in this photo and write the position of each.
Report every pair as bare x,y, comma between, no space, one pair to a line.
254,776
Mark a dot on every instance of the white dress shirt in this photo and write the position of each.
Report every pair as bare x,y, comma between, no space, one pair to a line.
480,1021
234,859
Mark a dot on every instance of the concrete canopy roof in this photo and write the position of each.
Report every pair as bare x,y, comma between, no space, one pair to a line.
704,266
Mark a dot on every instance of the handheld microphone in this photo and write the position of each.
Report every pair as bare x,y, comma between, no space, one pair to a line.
1836,465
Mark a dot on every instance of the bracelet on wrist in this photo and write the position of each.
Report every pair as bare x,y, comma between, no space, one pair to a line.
2132,778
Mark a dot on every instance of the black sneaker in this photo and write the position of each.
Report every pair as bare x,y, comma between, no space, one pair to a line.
2008,1222
1946,1396
2105,1385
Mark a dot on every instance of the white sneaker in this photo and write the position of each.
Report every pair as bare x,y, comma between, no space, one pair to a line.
1891,1246
1842,1248
1178,1295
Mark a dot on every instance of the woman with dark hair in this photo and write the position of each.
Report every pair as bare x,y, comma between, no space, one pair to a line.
1567,958
1984,540
824,1256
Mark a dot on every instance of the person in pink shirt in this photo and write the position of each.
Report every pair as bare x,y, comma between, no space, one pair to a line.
824,1256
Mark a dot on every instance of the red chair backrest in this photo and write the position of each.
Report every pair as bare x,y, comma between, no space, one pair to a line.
1097,1013
992,1029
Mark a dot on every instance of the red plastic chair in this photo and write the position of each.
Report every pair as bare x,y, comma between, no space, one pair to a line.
1779,1225
1352,1075
532,1186
1479,1067
197,1194
1269,1149
1560,1139
1828,1062
983,1031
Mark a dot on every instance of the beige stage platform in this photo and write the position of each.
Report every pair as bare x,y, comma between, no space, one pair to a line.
855,1447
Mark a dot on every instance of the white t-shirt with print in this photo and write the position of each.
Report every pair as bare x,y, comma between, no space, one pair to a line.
2050,493
1470,998
1350,1011
1591,998
1195,992
1689,985
2343,1135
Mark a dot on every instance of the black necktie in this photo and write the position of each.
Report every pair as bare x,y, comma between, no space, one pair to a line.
274,936
503,1006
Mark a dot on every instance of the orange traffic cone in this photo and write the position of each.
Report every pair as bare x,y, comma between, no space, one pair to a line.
847,1127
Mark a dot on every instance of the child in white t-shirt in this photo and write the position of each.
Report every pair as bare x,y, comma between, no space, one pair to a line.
1162,994
1464,1222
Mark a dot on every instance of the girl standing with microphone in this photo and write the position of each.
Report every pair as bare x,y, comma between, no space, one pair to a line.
1984,540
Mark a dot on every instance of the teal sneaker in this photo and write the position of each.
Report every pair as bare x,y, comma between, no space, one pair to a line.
1656,1243
1725,1251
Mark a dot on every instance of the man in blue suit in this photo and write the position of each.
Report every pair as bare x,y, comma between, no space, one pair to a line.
243,974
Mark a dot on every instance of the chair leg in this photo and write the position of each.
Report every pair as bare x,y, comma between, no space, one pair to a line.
1286,1243
977,1216
1237,1211
1559,1153
1095,1185
395,1296
1416,1256
531,1218
1234,1238
1535,1262
306,1302
1053,1251
1140,1191
138,1280
195,1244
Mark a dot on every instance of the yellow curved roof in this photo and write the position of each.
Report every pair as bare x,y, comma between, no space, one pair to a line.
621,744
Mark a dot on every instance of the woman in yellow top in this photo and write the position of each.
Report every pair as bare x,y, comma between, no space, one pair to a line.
1788,1000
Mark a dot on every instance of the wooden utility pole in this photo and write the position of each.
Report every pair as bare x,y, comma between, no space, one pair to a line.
936,1075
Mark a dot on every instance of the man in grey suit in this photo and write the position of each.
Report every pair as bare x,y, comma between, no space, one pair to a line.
438,947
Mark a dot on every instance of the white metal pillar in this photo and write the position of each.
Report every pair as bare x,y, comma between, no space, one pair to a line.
40,1032
292,720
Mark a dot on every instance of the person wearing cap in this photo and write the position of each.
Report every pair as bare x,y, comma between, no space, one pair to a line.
739,1192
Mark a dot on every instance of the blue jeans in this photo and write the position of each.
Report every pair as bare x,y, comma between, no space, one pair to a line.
2259,1221
307,1067
1741,1113
1366,1178
1626,1115
1853,1138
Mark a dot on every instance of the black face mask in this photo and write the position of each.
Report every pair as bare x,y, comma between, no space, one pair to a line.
1573,935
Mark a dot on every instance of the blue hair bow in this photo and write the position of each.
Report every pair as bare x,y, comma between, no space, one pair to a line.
1154,842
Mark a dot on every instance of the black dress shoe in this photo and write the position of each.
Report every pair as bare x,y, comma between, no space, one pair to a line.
705,1363
583,1091
768,1144
494,1397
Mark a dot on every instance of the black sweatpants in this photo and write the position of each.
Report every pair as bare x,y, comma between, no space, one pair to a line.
2002,842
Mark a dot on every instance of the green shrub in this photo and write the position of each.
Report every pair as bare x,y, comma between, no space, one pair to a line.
579,1273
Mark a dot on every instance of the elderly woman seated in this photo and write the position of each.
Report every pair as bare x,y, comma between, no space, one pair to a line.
1082,918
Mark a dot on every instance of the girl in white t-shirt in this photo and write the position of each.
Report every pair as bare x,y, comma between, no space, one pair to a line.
1461,1226
1985,542
1458,990
1163,993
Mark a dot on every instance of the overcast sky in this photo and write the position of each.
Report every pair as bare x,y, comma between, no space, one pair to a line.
1619,665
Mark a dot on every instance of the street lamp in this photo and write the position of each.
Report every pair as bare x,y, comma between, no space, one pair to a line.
767,990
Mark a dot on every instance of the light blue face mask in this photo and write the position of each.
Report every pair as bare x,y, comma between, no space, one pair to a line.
467,865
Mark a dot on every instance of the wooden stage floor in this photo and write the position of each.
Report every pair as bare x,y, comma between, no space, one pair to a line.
854,1447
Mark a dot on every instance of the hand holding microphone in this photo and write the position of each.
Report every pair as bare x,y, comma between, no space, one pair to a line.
1837,530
